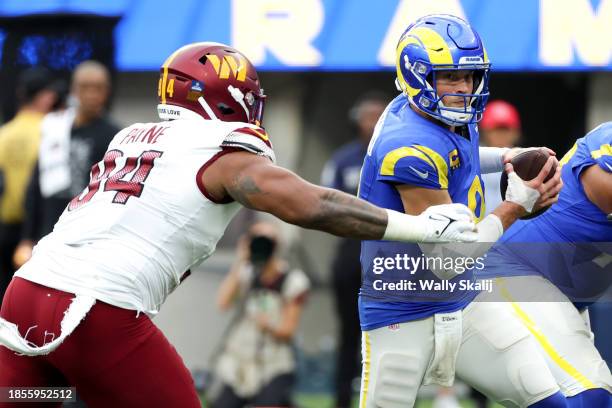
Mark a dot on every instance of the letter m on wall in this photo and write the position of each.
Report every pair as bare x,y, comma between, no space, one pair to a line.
575,28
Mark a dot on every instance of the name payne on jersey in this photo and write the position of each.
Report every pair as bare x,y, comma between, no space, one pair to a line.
435,285
148,134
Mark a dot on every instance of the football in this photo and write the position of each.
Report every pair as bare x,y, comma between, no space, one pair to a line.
527,165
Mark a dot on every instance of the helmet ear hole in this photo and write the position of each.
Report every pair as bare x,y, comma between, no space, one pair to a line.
226,110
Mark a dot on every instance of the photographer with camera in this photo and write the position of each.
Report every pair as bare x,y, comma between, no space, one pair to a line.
257,365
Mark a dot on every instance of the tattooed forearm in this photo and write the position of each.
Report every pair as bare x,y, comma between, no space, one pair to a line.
294,200
344,215
242,187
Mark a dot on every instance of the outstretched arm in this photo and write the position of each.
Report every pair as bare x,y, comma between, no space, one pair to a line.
258,184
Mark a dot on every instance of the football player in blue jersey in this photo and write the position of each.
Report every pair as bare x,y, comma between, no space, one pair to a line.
418,324
565,256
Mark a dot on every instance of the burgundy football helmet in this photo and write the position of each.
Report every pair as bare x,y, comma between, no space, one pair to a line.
212,80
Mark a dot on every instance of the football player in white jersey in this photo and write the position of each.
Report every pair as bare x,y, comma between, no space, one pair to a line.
78,312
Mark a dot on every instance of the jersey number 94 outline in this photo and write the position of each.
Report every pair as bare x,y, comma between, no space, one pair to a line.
141,166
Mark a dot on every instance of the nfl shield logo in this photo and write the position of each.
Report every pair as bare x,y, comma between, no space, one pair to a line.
197,86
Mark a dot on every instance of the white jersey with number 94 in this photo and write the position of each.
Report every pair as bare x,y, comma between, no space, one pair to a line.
145,218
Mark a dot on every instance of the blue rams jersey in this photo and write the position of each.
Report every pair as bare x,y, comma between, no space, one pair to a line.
563,242
407,148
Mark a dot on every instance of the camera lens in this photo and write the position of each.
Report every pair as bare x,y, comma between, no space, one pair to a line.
261,249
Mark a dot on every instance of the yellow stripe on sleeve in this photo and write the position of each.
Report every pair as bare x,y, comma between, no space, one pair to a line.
604,150
439,163
391,159
568,155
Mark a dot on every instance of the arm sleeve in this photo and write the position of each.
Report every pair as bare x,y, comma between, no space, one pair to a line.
588,151
415,164
602,156
492,159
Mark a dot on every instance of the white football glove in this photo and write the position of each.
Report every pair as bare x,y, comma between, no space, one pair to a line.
520,193
439,223
450,223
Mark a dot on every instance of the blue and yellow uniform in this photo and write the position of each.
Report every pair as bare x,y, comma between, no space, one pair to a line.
562,242
409,149
431,335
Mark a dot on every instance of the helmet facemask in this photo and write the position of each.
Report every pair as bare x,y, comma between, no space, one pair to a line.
431,101
252,104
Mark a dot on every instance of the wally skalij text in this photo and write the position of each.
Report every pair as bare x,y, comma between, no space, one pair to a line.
394,271
435,285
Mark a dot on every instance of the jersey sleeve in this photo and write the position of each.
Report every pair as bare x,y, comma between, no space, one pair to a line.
414,164
252,139
593,149
602,155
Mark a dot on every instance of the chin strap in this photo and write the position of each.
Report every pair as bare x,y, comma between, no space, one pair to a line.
207,108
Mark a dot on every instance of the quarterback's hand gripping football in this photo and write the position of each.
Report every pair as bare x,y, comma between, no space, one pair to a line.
512,152
534,194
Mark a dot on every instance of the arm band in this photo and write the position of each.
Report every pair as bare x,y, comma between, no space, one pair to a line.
404,227
492,159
